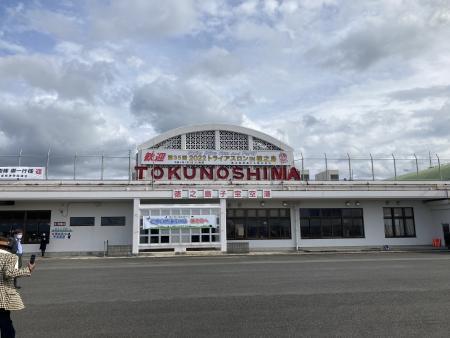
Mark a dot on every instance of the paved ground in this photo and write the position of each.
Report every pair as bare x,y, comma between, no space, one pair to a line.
379,294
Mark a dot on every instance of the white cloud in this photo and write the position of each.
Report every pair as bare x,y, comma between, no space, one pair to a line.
69,79
324,76
217,62
166,104
142,19
11,47
65,127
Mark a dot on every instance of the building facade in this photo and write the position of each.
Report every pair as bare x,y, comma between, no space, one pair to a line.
217,187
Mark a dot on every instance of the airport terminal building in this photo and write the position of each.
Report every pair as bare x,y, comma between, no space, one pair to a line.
220,187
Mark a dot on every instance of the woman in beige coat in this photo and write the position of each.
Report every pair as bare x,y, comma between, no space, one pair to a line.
9,297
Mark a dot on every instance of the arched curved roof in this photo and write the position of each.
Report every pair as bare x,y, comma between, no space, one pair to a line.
214,127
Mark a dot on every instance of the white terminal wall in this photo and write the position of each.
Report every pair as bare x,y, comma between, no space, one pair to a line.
116,199
427,224
83,238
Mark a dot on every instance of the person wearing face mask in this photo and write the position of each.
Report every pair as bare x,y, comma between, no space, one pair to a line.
16,248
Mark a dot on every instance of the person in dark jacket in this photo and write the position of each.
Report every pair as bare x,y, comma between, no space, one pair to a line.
17,249
44,242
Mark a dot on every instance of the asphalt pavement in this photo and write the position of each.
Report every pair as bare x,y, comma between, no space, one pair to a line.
317,295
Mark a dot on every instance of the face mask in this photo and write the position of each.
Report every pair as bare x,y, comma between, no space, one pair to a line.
19,236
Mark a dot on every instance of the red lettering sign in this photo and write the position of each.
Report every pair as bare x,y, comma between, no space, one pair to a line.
218,173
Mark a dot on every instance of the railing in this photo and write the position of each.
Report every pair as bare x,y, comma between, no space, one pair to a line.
324,167
76,167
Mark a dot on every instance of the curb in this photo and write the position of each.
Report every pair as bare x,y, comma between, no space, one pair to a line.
256,253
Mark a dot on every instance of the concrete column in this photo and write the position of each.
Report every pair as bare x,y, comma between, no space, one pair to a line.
295,216
136,224
223,225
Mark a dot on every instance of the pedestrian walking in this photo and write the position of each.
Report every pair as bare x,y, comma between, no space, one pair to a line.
43,244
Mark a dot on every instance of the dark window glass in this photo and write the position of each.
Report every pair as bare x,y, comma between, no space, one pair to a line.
32,222
280,228
305,212
257,228
314,212
262,212
356,212
239,212
251,213
304,227
259,224
82,221
231,234
408,212
273,213
314,226
357,228
336,225
113,221
284,212
398,212
346,212
409,227
399,222
332,223
326,227
388,230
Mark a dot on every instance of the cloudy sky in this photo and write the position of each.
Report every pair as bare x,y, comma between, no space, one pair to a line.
329,76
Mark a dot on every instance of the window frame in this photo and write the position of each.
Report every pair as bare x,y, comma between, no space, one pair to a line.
402,218
113,225
23,220
318,216
82,225
265,221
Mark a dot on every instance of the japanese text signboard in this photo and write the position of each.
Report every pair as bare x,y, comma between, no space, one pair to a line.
215,157
220,193
190,221
22,173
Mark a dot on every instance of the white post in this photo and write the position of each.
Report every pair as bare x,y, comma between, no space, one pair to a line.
223,225
136,224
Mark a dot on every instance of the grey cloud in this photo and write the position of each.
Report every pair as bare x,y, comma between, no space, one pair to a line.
166,104
142,19
310,120
417,94
216,63
65,129
435,124
363,48
70,79
244,100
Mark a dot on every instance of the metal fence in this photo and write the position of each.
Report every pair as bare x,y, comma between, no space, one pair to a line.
76,167
392,167
347,168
